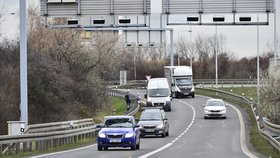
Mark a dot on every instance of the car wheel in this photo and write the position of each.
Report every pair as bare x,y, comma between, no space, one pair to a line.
167,133
133,147
205,117
163,135
192,96
225,117
99,148
138,146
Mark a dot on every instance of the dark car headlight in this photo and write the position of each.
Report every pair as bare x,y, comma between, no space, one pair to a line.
160,126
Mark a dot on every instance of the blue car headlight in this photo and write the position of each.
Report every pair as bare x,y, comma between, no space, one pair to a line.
128,135
101,135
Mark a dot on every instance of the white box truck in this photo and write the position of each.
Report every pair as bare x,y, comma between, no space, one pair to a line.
158,94
180,79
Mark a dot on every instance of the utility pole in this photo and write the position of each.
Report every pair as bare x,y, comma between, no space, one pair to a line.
23,65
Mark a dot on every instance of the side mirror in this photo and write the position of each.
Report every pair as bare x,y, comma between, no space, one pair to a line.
136,126
99,126
226,105
136,119
165,119
172,84
204,105
145,96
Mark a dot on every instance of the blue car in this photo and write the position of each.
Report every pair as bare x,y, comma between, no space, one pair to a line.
118,131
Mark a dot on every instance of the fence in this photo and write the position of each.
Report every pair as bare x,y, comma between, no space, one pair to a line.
51,135
268,130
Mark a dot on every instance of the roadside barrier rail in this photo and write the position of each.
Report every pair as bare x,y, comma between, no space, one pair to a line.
51,135
268,130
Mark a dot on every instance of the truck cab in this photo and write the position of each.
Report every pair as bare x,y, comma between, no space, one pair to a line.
180,78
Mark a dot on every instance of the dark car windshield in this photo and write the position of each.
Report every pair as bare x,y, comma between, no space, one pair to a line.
150,116
184,81
215,103
160,92
118,123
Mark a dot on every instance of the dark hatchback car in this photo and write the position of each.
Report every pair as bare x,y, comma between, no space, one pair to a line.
118,131
154,122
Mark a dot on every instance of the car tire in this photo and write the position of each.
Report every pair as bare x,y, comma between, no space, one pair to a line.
167,133
225,117
138,146
99,148
205,117
133,147
192,96
163,135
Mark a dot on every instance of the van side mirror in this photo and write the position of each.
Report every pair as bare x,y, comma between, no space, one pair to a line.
145,96
172,84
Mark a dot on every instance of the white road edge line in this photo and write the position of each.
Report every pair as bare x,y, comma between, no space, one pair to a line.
243,144
61,152
242,134
156,151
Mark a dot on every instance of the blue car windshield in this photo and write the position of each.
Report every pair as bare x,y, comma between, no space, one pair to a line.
118,123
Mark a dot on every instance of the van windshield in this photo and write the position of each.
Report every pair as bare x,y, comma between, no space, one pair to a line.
161,92
184,82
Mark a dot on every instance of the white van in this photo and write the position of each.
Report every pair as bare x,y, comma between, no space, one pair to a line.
158,94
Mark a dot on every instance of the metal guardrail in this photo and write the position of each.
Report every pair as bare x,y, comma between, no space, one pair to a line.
48,135
268,130
196,81
51,135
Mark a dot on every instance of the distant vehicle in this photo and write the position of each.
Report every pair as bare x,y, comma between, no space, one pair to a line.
180,79
154,122
215,108
158,94
118,131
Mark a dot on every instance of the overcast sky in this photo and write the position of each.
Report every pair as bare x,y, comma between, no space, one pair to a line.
242,40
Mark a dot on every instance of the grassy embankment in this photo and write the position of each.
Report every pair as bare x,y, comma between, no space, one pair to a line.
259,143
118,109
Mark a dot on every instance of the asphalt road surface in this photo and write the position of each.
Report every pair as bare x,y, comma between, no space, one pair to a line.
190,136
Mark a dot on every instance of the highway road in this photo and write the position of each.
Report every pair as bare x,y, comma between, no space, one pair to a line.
190,136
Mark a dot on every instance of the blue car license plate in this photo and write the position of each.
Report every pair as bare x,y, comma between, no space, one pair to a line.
115,140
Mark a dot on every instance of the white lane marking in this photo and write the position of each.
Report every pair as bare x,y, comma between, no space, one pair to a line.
61,152
156,151
173,141
243,144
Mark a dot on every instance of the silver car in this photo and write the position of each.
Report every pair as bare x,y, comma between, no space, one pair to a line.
215,108
154,122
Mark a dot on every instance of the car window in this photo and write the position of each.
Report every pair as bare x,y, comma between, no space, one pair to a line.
160,92
119,123
150,116
214,103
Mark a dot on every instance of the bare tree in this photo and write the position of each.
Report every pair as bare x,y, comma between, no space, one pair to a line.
270,97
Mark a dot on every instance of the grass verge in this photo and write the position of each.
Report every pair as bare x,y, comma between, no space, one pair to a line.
259,143
79,144
118,108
